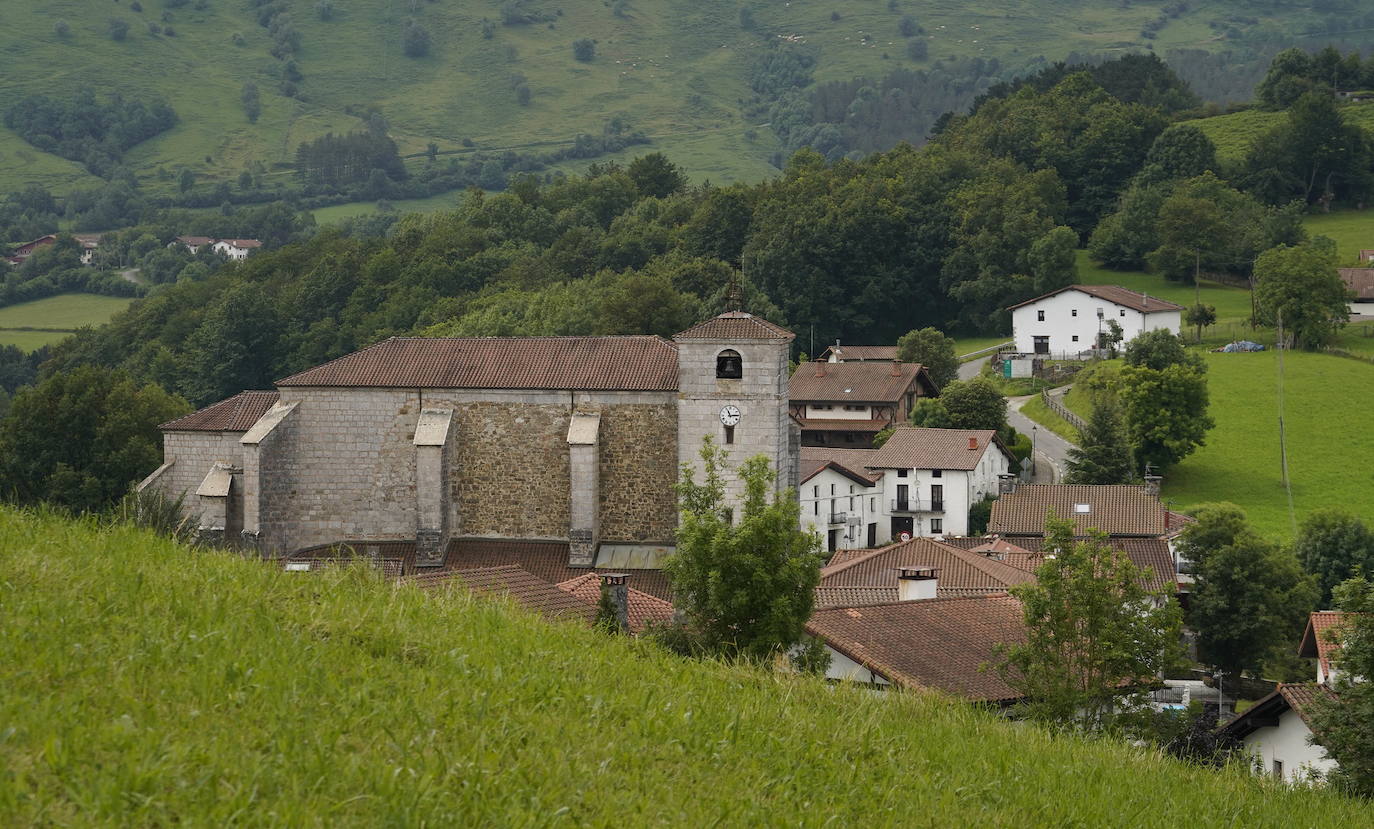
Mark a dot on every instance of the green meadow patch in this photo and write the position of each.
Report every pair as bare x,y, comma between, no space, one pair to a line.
31,325
148,684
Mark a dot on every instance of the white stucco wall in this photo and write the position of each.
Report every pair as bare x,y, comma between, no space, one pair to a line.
828,491
1362,308
1062,325
961,489
839,411
842,667
1287,742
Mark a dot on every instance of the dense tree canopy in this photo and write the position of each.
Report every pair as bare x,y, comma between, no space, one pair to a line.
1334,545
1300,287
1342,725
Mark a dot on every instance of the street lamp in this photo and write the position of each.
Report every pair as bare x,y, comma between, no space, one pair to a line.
1034,430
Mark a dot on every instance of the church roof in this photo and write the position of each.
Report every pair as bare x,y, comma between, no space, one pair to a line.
631,363
235,414
736,325
643,608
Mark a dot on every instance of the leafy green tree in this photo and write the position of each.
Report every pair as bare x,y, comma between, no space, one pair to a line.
81,438
1200,316
1249,595
1315,155
415,39
1180,152
746,586
1163,393
1334,545
252,102
1158,349
932,349
584,49
117,29
234,348
186,180
974,404
1095,634
1103,455
929,412
1342,725
1301,287
654,175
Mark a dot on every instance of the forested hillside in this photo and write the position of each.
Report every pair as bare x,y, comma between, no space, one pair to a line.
726,87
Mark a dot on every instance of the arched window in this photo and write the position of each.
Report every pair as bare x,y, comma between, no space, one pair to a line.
729,365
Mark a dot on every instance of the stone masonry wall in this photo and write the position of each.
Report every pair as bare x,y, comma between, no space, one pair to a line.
638,446
195,453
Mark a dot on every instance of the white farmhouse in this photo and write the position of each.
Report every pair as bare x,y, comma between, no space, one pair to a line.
1070,319
932,476
237,248
1360,283
841,500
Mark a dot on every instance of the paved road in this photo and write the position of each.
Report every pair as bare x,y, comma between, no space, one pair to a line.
969,370
1051,451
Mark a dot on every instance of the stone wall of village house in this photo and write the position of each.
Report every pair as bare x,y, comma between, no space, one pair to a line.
195,453
638,469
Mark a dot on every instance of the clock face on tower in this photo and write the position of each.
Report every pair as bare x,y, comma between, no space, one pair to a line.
729,415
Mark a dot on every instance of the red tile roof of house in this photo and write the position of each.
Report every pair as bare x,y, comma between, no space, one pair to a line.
1115,510
195,241
634,363
242,243
861,353
643,608
1360,281
857,382
961,572
1287,696
1114,294
944,644
1316,639
235,414
848,462
1027,553
546,559
735,325
913,447
523,587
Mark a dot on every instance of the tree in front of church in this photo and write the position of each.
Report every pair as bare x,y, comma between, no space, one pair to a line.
744,583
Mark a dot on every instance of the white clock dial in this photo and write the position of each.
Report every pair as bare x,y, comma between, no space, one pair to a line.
729,415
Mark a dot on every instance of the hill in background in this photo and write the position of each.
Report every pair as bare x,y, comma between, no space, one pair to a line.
682,73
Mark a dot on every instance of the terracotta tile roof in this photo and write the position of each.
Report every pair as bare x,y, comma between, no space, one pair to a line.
1115,510
860,353
1287,696
546,559
1114,294
848,462
826,424
914,447
1026,553
841,556
735,325
643,608
851,596
1316,639
857,382
635,363
523,587
1359,280
242,243
936,643
236,414
960,570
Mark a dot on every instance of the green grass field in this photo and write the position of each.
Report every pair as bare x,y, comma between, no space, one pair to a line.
61,315
1036,410
677,71
151,685
1352,230
1235,132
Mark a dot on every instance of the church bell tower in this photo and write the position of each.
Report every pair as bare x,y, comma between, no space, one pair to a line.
733,386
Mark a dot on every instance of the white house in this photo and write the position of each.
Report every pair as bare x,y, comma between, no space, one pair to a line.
237,248
192,243
932,476
1070,319
840,497
1360,283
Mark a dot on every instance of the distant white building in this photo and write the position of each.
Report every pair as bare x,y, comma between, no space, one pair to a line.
192,243
932,476
1070,319
1360,283
237,248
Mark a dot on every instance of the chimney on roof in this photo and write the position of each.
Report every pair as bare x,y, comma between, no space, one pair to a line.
917,583
820,368
896,368
616,592
1006,483
1152,485
972,443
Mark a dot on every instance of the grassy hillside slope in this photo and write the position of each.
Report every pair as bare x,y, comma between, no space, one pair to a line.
147,684
1234,133
56,316
675,70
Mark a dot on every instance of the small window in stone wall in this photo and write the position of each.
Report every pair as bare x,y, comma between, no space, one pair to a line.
729,365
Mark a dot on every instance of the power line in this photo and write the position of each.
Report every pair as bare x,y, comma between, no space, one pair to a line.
1283,445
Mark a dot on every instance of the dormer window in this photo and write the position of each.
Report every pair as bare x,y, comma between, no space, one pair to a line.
729,365
1082,509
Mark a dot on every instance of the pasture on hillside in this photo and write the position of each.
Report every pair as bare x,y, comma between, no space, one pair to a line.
1235,132
31,325
677,71
149,684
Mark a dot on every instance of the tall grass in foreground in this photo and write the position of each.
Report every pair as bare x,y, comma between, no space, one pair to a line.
145,684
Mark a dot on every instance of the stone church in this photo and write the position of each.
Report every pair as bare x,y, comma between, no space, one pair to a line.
574,442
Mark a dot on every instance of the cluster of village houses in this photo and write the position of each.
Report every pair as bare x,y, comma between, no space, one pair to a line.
236,249
542,469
